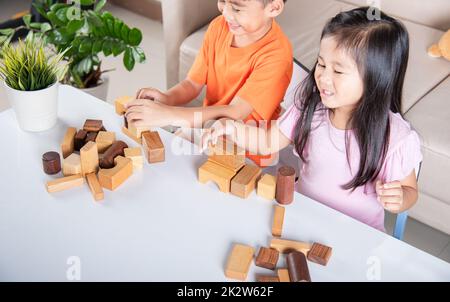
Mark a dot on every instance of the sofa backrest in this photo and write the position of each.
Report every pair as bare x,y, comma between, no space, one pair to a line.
432,13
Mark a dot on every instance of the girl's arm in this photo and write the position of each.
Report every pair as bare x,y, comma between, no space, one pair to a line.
398,196
256,140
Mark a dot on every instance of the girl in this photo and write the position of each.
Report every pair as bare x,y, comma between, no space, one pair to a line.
357,154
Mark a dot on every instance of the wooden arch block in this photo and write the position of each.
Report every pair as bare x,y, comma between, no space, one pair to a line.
111,179
222,176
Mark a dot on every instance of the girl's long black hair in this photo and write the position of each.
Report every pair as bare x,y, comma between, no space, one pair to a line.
380,49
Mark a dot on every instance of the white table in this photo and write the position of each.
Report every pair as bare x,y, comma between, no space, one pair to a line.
162,225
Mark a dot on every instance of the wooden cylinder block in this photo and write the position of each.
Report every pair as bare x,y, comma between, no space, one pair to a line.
298,267
51,163
285,185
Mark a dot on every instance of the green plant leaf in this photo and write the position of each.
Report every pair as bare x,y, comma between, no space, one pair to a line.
85,46
128,59
40,9
139,54
87,2
97,47
107,48
74,25
54,19
57,6
27,20
35,25
124,33
135,37
61,14
7,31
117,28
94,19
45,27
117,48
99,5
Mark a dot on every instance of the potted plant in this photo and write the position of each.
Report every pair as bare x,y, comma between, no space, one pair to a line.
83,31
31,77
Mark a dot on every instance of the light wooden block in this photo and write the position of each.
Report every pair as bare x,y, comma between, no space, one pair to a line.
94,185
278,220
135,154
239,261
222,176
245,181
283,275
267,186
267,278
227,154
153,147
68,143
111,179
89,158
130,134
104,140
120,104
64,183
285,246
72,165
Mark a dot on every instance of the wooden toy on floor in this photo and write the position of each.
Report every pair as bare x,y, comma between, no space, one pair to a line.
244,181
93,125
68,143
104,140
64,183
298,267
94,185
131,135
153,147
80,139
278,220
227,154
283,275
285,185
135,154
91,137
319,254
111,179
222,176
267,258
72,165
267,186
116,149
51,163
285,246
89,158
267,278
239,262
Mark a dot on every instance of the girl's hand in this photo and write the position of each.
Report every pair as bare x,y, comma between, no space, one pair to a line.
217,130
145,113
152,94
390,195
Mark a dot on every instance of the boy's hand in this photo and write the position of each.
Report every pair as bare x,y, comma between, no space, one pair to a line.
217,130
153,95
390,195
145,113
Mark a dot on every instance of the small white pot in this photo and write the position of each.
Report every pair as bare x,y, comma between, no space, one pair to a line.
35,110
100,91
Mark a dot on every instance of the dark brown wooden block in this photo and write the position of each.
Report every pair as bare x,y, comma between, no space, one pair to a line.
91,136
51,163
93,125
285,185
267,278
319,254
125,121
267,258
116,149
80,139
298,267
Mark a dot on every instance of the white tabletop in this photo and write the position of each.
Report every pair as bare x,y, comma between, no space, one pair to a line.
161,224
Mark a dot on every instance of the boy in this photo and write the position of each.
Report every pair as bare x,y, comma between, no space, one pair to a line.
246,63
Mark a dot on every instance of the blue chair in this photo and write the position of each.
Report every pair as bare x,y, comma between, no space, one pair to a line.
402,218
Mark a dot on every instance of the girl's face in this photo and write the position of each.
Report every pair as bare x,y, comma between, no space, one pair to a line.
337,77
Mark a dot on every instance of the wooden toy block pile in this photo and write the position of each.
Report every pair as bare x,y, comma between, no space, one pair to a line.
226,167
297,254
94,154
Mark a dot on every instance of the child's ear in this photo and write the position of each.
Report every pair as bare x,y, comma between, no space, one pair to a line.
275,8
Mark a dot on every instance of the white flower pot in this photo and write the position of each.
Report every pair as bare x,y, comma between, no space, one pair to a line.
100,91
35,110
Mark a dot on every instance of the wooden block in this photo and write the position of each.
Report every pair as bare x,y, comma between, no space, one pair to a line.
51,163
278,220
285,246
128,133
267,258
227,154
68,143
153,147
298,267
89,158
244,182
267,278
267,186
222,176
138,131
91,137
120,104
93,125
239,261
64,183
111,179
94,185
283,275
135,154
104,140
72,165
319,254
116,149
80,139
285,185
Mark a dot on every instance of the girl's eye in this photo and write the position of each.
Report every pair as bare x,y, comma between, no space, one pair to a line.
338,72
320,65
236,10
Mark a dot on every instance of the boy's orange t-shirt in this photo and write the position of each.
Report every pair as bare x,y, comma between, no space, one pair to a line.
259,73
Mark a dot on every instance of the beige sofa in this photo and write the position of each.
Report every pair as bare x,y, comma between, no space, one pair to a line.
427,86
